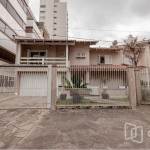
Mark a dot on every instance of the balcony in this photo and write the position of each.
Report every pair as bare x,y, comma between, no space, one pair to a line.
43,61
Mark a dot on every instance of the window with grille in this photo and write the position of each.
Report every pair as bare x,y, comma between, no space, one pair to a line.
80,55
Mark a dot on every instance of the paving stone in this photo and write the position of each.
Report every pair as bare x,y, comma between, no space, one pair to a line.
79,144
66,138
27,127
11,144
10,127
90,141
1,143
20,134
14,130
6,133
1,134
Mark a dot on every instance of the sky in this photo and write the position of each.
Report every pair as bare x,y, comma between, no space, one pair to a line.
106,20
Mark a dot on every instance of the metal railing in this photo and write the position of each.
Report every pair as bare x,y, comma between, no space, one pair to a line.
100,85
43,60
145,84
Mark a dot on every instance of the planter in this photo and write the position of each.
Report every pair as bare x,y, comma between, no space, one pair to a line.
105,96
63,96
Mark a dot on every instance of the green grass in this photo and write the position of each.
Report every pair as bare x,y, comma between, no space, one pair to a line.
70,102
120,100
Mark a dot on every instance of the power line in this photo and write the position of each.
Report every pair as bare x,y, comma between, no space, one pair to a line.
68,37
104,30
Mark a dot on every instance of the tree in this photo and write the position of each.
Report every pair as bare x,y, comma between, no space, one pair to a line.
133,49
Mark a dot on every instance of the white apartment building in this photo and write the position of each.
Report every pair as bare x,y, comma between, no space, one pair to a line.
55,16
16,18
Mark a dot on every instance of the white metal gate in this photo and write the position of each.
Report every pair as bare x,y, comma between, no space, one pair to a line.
23,87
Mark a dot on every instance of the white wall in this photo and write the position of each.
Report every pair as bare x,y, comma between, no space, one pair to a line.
18,9
7,43
61,19
6,16
31,23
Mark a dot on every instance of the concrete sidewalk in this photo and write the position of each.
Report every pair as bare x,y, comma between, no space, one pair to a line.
71,129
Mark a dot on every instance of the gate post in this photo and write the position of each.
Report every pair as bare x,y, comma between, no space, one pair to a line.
138,86
51,87
54,88
49,80
132,87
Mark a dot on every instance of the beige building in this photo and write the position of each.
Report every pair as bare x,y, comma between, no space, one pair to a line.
55,16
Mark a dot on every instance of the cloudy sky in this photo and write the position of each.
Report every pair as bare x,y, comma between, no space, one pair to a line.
106,20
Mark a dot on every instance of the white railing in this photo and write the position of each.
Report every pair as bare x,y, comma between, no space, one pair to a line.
43,60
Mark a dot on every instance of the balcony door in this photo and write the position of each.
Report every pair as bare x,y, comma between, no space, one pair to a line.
37,56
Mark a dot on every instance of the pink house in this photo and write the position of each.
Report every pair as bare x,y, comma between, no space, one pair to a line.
74,57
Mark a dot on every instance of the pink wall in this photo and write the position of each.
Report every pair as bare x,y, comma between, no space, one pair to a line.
116,57
145,57
79,47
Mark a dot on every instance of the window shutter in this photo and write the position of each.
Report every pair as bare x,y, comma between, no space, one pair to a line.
99,59
106,59
110,59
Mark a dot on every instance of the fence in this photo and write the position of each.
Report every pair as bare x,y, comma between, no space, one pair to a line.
103,85
145,84
23,87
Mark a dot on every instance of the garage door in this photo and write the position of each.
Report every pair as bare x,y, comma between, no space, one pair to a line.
33,84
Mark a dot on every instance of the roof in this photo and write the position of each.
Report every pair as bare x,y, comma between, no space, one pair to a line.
26,39
98,67
104,48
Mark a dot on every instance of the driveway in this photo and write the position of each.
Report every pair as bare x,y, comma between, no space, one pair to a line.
71,129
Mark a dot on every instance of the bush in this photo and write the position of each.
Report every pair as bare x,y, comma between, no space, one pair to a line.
145,95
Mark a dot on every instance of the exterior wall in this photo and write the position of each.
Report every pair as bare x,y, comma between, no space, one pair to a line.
7,43
3,63
61,20
19,9
59,50
6,16
145,57
94,56
52,51
79,47
56,15
31,23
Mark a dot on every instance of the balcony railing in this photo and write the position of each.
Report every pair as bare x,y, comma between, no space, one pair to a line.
43,60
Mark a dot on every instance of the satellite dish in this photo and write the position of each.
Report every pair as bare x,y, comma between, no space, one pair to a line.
115,42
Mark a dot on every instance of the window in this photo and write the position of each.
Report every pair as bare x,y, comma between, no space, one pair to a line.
42,17
43,6
105,59
54,34
63,55
38,54
80,55
2,26
6,29
4,2
55,17
55,11
55,29
55,23
55,5
22,5
42,12
12,11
